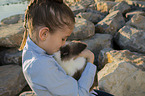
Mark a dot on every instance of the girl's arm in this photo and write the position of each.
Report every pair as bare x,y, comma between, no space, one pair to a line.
47,77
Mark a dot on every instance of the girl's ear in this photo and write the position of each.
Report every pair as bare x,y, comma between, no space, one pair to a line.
43,33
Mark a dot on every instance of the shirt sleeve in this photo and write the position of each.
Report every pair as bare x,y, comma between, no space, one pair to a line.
48,75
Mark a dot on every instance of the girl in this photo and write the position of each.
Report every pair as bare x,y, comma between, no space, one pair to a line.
50,23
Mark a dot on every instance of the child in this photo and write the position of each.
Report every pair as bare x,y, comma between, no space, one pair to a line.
50,23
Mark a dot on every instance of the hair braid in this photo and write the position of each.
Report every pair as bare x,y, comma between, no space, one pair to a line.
25,25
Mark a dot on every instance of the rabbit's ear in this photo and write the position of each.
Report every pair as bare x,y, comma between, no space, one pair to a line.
78,47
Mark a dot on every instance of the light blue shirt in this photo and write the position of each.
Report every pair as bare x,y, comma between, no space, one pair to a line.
47,78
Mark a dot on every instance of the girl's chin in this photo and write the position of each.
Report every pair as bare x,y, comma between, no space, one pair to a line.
55,51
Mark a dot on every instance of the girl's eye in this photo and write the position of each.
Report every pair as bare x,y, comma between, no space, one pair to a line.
63,39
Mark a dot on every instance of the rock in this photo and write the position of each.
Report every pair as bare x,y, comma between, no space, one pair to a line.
86,3
131,38
98,42
105,6
91,15
83,29
28,93
103,0
111,23
70,1
129,15
11,80
103,57
123,7
92,6
11,35
123,74
11,56
108,55
122,79
138,3
13,19
77,9
137,21
127,0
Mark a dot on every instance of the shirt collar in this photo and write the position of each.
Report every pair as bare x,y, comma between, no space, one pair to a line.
30,44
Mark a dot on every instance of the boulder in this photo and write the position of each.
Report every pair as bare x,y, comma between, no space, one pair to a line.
111,23
11,80
128,0
123,7
11,35
103,0
98,42
27,93
123,74
137,21
13,19
131,38
70,1
86,3
137,3
11,56
105,6
108,55
129,15
91,15
122,79
83,29
77,9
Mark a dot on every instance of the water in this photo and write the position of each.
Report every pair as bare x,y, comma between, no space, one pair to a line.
12,7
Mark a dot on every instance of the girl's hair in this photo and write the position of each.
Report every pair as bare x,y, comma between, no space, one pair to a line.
53,14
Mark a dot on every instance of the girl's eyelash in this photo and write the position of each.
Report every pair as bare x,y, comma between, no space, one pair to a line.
63,39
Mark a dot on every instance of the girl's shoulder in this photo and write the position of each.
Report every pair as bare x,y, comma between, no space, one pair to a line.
35,64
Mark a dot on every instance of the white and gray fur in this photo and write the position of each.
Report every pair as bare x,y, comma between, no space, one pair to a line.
65,58
71,66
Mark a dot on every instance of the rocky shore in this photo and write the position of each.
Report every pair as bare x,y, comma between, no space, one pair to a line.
113,29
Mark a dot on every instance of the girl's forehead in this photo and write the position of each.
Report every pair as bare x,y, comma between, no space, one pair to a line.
65,31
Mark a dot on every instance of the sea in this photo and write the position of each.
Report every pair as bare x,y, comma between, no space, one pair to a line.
12,7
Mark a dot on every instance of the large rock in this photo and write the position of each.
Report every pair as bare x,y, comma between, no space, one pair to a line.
131,38
103,0
137,21
129,15
77,9
123,74
109,55
123,7
28,93
138,3
70,1
83,29
127,0
91,15
105,6
86,3
111,23
98,42
11,56
122,79
13,19
11,80
11,35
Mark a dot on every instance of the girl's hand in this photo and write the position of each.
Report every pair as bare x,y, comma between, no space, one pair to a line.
88,55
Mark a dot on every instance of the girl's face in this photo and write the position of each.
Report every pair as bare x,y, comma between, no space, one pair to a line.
56,40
